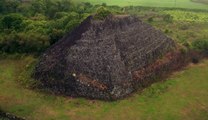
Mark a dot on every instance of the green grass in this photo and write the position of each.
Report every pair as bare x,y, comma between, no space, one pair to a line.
187,16
183,96
186,26
152,3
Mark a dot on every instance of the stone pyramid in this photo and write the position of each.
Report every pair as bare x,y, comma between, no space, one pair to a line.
97,59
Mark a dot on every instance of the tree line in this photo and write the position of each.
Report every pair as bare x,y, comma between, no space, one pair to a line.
30,26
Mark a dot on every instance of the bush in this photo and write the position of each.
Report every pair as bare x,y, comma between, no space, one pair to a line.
168,18
71,25
184,27
167,31
104,5
183,50
12,21
187,44
201,45
150,19
24,43
102,13
195,60
55,35
60,15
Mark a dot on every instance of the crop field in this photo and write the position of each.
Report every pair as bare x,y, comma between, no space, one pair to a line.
153,3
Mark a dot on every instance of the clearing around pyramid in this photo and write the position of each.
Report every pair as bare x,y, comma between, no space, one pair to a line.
98,58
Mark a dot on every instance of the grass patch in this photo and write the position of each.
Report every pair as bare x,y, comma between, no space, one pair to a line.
187,16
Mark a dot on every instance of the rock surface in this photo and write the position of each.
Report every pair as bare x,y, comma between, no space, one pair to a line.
7,116
98,58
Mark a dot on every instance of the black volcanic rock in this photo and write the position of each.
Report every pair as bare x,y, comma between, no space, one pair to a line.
97,59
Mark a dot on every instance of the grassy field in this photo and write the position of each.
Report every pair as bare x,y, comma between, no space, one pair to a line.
182,97
185,26
185,16
201,1
152,3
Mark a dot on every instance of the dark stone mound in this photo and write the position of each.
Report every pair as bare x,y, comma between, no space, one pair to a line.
98,58
7,116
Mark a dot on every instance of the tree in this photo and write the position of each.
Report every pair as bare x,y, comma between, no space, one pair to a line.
38,6
104,4
55,35
168,18
71,25
60,15
51,8
201,45
2,6
7,6
64,5
88,5
102,13
12,21
151,19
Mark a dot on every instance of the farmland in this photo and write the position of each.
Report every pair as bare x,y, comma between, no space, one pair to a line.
153,3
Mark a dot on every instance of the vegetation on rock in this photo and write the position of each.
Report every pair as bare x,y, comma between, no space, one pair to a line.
102,13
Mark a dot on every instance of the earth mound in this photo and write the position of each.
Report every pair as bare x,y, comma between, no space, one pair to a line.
98,58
